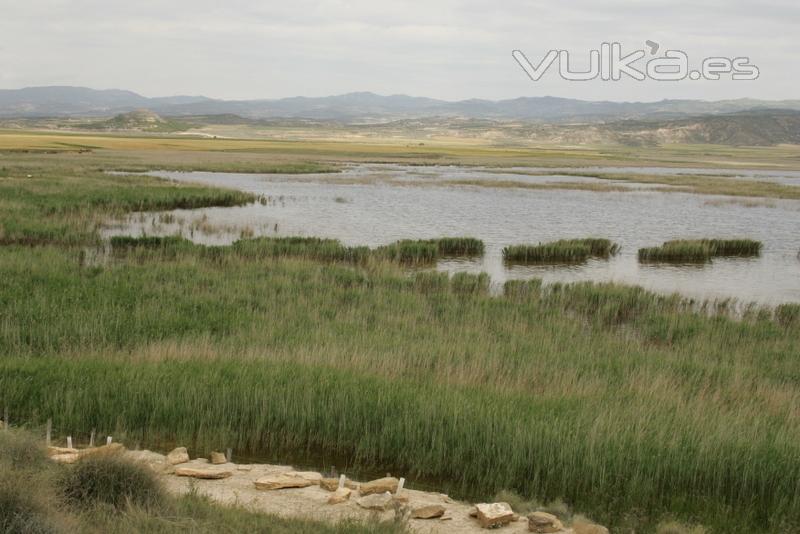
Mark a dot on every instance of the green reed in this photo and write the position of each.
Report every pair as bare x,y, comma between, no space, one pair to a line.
561,251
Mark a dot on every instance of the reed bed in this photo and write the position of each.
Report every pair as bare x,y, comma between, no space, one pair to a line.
405,252
630,406
459,246
561,251
700,250
417,375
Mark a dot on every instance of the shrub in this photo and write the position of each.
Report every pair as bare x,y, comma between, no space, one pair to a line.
110,479
21,450
24,508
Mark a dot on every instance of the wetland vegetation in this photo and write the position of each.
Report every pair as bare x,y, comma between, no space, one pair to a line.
632,407
561,251
700,250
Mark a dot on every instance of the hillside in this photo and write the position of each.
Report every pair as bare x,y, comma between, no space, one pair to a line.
78,101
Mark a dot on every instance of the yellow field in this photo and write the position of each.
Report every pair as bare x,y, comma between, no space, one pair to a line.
173,149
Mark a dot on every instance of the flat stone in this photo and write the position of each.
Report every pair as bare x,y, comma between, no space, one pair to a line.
340,495
178,455
66,455
380,485
282,481
491,515
155,461
217,458
313,476
207,474
544,523
432,511
376,501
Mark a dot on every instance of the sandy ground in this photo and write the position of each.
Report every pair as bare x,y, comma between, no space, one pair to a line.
311,502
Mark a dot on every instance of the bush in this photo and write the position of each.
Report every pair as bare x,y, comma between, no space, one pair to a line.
27,502
110,479
21,450
23,507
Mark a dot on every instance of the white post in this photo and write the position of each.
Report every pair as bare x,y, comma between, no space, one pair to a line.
341,480
400,486
229,454
108,440
69,442
91,438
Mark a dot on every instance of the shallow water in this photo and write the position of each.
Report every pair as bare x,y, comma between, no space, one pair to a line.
377,204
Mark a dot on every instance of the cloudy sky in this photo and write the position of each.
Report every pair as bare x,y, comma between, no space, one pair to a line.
446,49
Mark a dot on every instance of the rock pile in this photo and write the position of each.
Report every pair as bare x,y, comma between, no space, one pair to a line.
380,495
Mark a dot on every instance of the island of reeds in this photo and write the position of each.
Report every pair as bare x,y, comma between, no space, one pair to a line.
561,251
700,250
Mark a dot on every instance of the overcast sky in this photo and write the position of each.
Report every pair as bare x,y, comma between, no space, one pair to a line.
446,49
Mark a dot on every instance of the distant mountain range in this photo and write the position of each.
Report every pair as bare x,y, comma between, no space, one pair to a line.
355,107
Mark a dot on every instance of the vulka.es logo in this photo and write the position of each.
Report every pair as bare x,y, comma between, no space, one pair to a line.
609,64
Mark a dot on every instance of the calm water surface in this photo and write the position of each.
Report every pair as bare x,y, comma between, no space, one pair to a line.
377,204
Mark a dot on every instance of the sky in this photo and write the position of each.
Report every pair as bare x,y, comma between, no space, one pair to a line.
444,49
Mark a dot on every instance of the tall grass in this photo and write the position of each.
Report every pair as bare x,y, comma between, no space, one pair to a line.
700,250
406,252
624,403
459,246
561,251
286,356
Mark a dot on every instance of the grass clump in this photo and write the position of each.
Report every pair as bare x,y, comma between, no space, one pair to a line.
28,502
410,252
300,247
111,480
459,246
699,250
561,251
735,247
